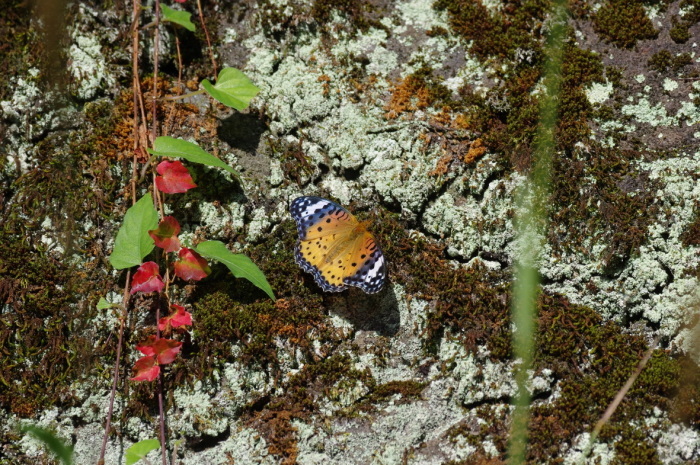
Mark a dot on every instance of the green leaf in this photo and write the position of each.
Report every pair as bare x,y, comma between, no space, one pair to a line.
166,146
240,265
133,242
178,17
139,450
233,89
102,304
56,445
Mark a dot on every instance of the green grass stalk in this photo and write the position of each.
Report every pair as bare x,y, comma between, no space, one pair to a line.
531,221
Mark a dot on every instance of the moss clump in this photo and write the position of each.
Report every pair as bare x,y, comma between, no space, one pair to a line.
40,340
615,210
498,34
679,33
663,60
623,23
403,392
571,337
361,14
691,236
660,61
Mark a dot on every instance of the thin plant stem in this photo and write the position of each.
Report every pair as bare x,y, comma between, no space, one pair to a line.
154,134
125,300
180,97
117,362
206,34
531,219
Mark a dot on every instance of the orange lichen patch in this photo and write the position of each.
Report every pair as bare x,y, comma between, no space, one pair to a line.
417,91
476,149
462,121
442,166
407,95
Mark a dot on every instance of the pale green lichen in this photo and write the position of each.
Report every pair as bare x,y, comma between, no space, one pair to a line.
601,453
469,224
678,445
599,92
670,85
198,411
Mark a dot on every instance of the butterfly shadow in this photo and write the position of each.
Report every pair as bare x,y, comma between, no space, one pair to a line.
370,312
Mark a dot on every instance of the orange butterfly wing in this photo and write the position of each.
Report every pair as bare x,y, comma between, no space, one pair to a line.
336,248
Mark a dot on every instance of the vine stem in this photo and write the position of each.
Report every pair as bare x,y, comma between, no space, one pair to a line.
125,300
206,34
154,134
115,379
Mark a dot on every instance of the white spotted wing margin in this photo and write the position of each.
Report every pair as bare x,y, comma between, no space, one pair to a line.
309,212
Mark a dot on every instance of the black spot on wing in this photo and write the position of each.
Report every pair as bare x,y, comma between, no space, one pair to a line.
315,272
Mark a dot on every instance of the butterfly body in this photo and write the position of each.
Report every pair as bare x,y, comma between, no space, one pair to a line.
335,247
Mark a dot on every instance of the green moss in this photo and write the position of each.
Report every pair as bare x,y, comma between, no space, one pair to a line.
663,60
635,449
691,235
500,34
623,23
361,14
571,337
40,338
609,210
403,392
679,33
685,404
614,75
21,49
660,61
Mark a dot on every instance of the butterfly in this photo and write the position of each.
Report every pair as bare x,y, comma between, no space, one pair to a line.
335,247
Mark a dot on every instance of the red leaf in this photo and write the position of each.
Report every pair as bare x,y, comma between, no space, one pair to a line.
166,350
176,319
147,279
165,236
146,347
191,265
146,369
174,178
163,349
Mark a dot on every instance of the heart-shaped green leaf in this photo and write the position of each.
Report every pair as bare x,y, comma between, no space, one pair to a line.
178,17
232,88
133,242
166,146
139,450
240,265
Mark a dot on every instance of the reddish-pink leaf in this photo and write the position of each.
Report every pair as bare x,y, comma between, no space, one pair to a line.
191,265
163,349
178,318
146,369
174,178
146,347
166,350
165,236
147,279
